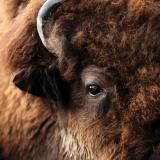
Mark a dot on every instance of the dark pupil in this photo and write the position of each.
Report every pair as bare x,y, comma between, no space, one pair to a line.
94,89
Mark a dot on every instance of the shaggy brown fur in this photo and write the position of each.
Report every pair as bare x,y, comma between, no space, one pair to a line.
121,39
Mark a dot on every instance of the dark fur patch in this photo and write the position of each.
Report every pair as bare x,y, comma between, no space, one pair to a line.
41,81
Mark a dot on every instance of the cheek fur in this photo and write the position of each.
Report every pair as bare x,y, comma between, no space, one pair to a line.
99,108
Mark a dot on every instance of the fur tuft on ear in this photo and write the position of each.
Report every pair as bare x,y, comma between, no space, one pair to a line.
41,81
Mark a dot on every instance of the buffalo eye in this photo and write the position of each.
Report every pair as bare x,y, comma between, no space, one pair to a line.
94,89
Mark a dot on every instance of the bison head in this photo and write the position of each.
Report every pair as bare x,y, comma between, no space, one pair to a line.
105,79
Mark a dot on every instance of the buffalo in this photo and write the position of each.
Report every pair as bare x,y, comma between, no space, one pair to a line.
80,80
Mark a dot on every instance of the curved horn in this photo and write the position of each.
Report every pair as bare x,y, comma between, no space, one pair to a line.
45,11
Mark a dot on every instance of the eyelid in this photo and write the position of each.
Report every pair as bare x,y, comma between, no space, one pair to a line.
94,78
91,83
100,93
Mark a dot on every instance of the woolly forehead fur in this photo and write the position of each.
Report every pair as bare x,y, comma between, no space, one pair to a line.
111,33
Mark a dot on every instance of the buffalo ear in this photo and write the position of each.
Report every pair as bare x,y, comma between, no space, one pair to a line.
41,81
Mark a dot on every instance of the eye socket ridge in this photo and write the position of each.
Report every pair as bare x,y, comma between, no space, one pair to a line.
94,90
